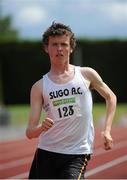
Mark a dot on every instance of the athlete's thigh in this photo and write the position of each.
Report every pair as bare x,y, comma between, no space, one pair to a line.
75,168
32,172
42,165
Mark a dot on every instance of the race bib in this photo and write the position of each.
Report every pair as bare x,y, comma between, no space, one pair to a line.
66,107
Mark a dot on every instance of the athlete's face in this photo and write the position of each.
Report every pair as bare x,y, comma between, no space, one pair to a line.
59,48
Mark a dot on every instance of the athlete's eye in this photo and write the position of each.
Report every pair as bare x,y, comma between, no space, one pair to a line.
54,44
64,44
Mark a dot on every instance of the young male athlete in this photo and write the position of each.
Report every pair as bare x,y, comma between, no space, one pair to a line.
66,135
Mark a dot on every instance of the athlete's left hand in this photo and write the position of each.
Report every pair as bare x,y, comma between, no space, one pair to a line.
108,141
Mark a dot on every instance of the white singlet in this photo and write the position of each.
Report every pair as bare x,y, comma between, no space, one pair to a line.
70,107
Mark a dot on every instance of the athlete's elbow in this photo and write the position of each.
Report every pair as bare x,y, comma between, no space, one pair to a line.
28,134
112,99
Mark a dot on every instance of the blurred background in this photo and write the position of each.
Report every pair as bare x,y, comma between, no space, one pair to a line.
101,30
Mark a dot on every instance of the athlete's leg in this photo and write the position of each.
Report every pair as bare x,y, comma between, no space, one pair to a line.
75,167
33,173
42,166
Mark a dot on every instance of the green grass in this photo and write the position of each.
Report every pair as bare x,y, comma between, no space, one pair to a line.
20,113
99,111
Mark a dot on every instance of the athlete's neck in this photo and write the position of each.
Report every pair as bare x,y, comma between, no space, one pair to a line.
60,76
61,70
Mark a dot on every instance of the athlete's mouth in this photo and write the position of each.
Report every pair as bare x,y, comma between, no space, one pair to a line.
59,55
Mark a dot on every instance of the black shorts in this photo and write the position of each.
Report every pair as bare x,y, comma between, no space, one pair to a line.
50,165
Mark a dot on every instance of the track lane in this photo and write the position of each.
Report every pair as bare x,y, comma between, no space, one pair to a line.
23,149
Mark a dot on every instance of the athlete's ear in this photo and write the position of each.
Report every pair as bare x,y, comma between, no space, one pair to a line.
46,49
71,50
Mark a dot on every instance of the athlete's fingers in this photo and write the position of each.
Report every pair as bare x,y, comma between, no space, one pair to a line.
47,124
108,144
45,127
108,141
49,121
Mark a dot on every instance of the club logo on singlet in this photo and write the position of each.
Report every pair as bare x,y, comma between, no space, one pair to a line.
65,92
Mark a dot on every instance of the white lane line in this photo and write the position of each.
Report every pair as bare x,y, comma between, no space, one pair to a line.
106,166
97,152
20,176
100,151
16,163
88,173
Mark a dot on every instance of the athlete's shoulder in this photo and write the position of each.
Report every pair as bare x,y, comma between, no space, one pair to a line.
87,70
90,73
37,86
92,76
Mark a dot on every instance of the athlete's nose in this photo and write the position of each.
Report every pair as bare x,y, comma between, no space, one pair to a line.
59,47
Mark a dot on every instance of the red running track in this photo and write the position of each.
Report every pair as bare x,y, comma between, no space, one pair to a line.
16,157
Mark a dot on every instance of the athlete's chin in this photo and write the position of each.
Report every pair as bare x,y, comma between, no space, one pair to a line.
60,57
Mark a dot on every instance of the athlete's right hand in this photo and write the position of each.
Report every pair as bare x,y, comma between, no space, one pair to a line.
47,124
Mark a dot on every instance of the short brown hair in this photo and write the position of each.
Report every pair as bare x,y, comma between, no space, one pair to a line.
57,29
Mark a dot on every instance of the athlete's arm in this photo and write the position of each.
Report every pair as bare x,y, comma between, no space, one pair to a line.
97,83
34,128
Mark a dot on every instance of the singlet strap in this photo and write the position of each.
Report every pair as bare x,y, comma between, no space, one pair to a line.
85,80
